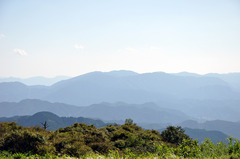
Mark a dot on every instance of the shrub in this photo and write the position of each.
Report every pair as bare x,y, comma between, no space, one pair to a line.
22,142
174,135
101,147
120,144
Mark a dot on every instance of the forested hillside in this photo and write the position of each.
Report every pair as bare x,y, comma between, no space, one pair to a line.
127,141
53,121
147,112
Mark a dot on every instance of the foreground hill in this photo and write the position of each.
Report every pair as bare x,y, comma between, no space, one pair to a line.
53,121
140,113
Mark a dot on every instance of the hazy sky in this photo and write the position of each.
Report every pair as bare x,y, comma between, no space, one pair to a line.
72,37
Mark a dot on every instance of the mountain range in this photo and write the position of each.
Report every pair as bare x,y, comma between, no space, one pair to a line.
35,80
53,121
148,116
206,104
202,134
115,112
227,127
206,97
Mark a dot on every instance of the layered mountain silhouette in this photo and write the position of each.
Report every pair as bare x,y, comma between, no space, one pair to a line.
53,121
227,127
201,135
140,113
35,80
123,86
208,97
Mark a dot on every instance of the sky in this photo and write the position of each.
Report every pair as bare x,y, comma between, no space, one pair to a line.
73,37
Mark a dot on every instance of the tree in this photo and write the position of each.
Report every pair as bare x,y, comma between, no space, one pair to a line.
174,135
22,141
45,125
128,121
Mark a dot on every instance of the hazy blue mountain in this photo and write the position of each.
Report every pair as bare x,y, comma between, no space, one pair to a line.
187,74
35,80
201,134
140,113
96,87
13,91
122,73
227,127
32,106
54,122
212,97
233,79
206,109
16,91
99,87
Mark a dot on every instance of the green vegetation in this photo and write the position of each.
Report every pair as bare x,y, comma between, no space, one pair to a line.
113,141
174,135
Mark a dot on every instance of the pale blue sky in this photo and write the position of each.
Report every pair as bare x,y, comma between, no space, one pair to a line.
72,37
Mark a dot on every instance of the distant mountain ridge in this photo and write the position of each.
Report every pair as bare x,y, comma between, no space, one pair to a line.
212,97
201,135
53,121
227,127
38,80
233,79
130,87
147,113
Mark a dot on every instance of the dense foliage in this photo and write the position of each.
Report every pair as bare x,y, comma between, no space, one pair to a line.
174,135
112,141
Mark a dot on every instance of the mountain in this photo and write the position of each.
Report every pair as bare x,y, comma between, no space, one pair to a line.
97,87
16,91
53,121
212,97
32,106
121,73
140,113
35,80
233,79
206,109
186,74
201,135
227,127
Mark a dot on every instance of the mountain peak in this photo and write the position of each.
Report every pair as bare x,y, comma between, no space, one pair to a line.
122,73
187,74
